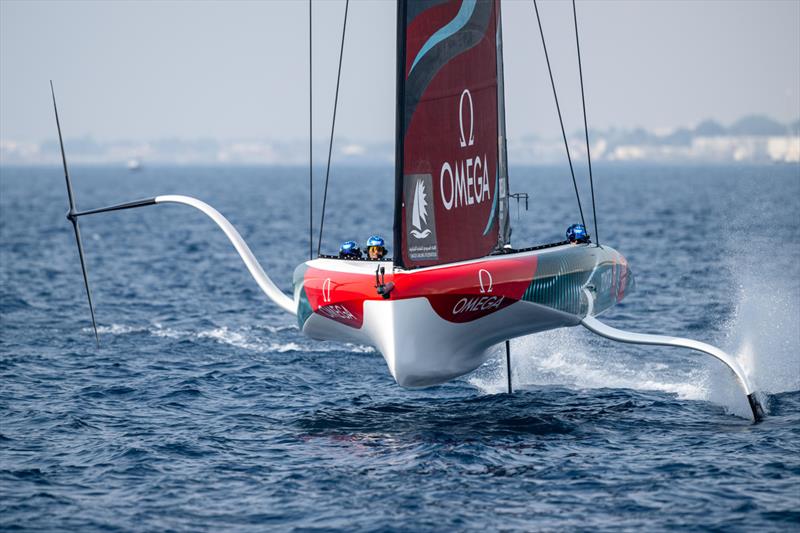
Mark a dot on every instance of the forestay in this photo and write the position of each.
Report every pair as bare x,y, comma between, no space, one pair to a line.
451,192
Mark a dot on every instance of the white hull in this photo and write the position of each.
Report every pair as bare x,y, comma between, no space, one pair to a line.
421,349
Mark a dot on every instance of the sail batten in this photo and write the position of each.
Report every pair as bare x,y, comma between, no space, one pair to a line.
451,176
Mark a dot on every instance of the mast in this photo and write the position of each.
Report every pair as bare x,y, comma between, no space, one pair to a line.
400,74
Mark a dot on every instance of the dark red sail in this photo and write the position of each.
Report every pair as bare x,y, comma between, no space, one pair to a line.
451,192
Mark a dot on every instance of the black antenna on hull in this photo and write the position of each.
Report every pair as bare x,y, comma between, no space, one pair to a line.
72,217
508,366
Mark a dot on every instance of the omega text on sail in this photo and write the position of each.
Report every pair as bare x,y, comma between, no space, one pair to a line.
467,185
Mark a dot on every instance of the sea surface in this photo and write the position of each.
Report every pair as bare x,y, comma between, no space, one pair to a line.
205,409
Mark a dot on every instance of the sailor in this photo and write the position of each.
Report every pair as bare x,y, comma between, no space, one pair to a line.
375,247
349,250
577,234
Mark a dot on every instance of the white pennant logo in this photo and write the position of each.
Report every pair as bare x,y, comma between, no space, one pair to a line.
419,211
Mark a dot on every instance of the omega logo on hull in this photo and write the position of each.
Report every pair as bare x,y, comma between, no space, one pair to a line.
478,303
487,285
326,291
337,311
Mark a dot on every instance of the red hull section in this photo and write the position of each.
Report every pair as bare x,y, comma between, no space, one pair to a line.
471,290
458,293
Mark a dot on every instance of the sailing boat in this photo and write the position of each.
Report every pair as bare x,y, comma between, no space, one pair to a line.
455,287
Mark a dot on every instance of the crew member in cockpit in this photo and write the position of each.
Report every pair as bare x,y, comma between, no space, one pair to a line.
376,248
577,234
349,250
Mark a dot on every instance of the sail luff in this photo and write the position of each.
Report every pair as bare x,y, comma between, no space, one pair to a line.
504,221
400,73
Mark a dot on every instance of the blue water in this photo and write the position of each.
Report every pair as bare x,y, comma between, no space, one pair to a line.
205,408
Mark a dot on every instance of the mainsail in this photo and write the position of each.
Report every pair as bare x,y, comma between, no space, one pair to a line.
451,193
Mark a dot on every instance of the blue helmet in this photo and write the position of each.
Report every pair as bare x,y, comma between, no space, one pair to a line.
577,233
376,240
349,249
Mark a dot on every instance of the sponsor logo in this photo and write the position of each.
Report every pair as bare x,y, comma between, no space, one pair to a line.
466,185
465,182
463,140
478,303
606,278
485,280
326,291
337,312
419,211
420,221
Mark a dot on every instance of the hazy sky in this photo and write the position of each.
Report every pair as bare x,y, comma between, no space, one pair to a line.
239,70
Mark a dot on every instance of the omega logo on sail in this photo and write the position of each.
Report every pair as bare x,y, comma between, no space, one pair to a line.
463,140
465,182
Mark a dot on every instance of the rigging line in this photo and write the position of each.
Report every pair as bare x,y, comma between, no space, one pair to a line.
310,142
585,125
558,108
333,127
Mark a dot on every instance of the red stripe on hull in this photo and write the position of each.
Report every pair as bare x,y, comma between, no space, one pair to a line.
458,293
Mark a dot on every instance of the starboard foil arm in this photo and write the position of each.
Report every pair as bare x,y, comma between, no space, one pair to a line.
595,326
262,279
250,261
253,266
